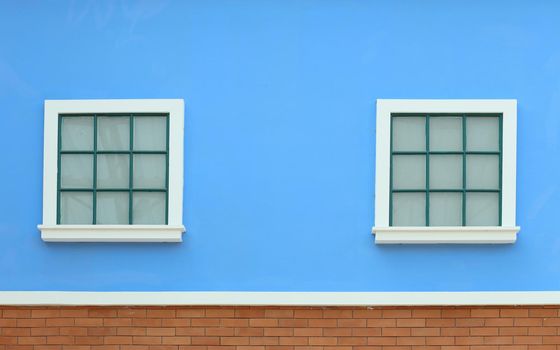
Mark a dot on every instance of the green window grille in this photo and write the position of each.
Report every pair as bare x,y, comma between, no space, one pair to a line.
446,170
113,168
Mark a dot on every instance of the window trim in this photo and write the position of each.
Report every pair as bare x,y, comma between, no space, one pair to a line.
171,232
385,234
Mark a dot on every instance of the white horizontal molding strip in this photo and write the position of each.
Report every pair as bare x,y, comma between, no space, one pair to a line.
280,298
111,233
445,235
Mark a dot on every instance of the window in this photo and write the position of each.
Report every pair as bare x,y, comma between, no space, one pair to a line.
113,171
445,171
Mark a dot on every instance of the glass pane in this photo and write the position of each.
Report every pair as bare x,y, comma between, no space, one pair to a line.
76,171
409,134
77,134
482,209
483,172
149,208
409,209
149,171
112,208
409,172
76,208
446,134
112,170
113,133
445,209
150,133
483,134
446,172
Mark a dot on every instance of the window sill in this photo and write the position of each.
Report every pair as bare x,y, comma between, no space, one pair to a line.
446,235
111,233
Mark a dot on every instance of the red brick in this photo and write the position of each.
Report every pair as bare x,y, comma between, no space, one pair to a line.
481,331
426,313
455,313
338,332
249,313
498,340
321,323
514,312
60,339
483,313
322,340
45,331
469,340
541,331
160,313
102,313
234,341
132,313
425,332
411,341
263,322
397,313
88,340
351,323
413,322
352,341
369,313
188,313
131,331
308,313
308,332
30,322
279,313
223,313
249,332
205,340
16,313
369,332
293,340
512,331
293,323
176,340
382,340
189,331
47,313
158,332
15,332
263,340
144,340
31,340
234,322
530,339
102,331
220,332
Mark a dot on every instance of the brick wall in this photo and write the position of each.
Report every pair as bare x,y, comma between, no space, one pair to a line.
278,328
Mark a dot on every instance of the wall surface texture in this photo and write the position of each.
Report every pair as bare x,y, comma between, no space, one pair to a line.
279,140
264,328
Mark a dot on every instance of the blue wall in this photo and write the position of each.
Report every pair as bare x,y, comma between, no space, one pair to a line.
280,125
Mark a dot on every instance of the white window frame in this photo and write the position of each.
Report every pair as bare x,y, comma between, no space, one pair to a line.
385,234
171,232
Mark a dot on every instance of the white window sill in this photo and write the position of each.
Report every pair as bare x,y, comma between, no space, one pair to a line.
446,235
111,233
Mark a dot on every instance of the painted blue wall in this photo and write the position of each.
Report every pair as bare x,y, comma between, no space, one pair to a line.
280,124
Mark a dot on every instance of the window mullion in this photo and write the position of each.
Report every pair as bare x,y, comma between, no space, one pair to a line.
391,171
95,169
59,170
500,138
427,170
167,171
464,203
130,169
